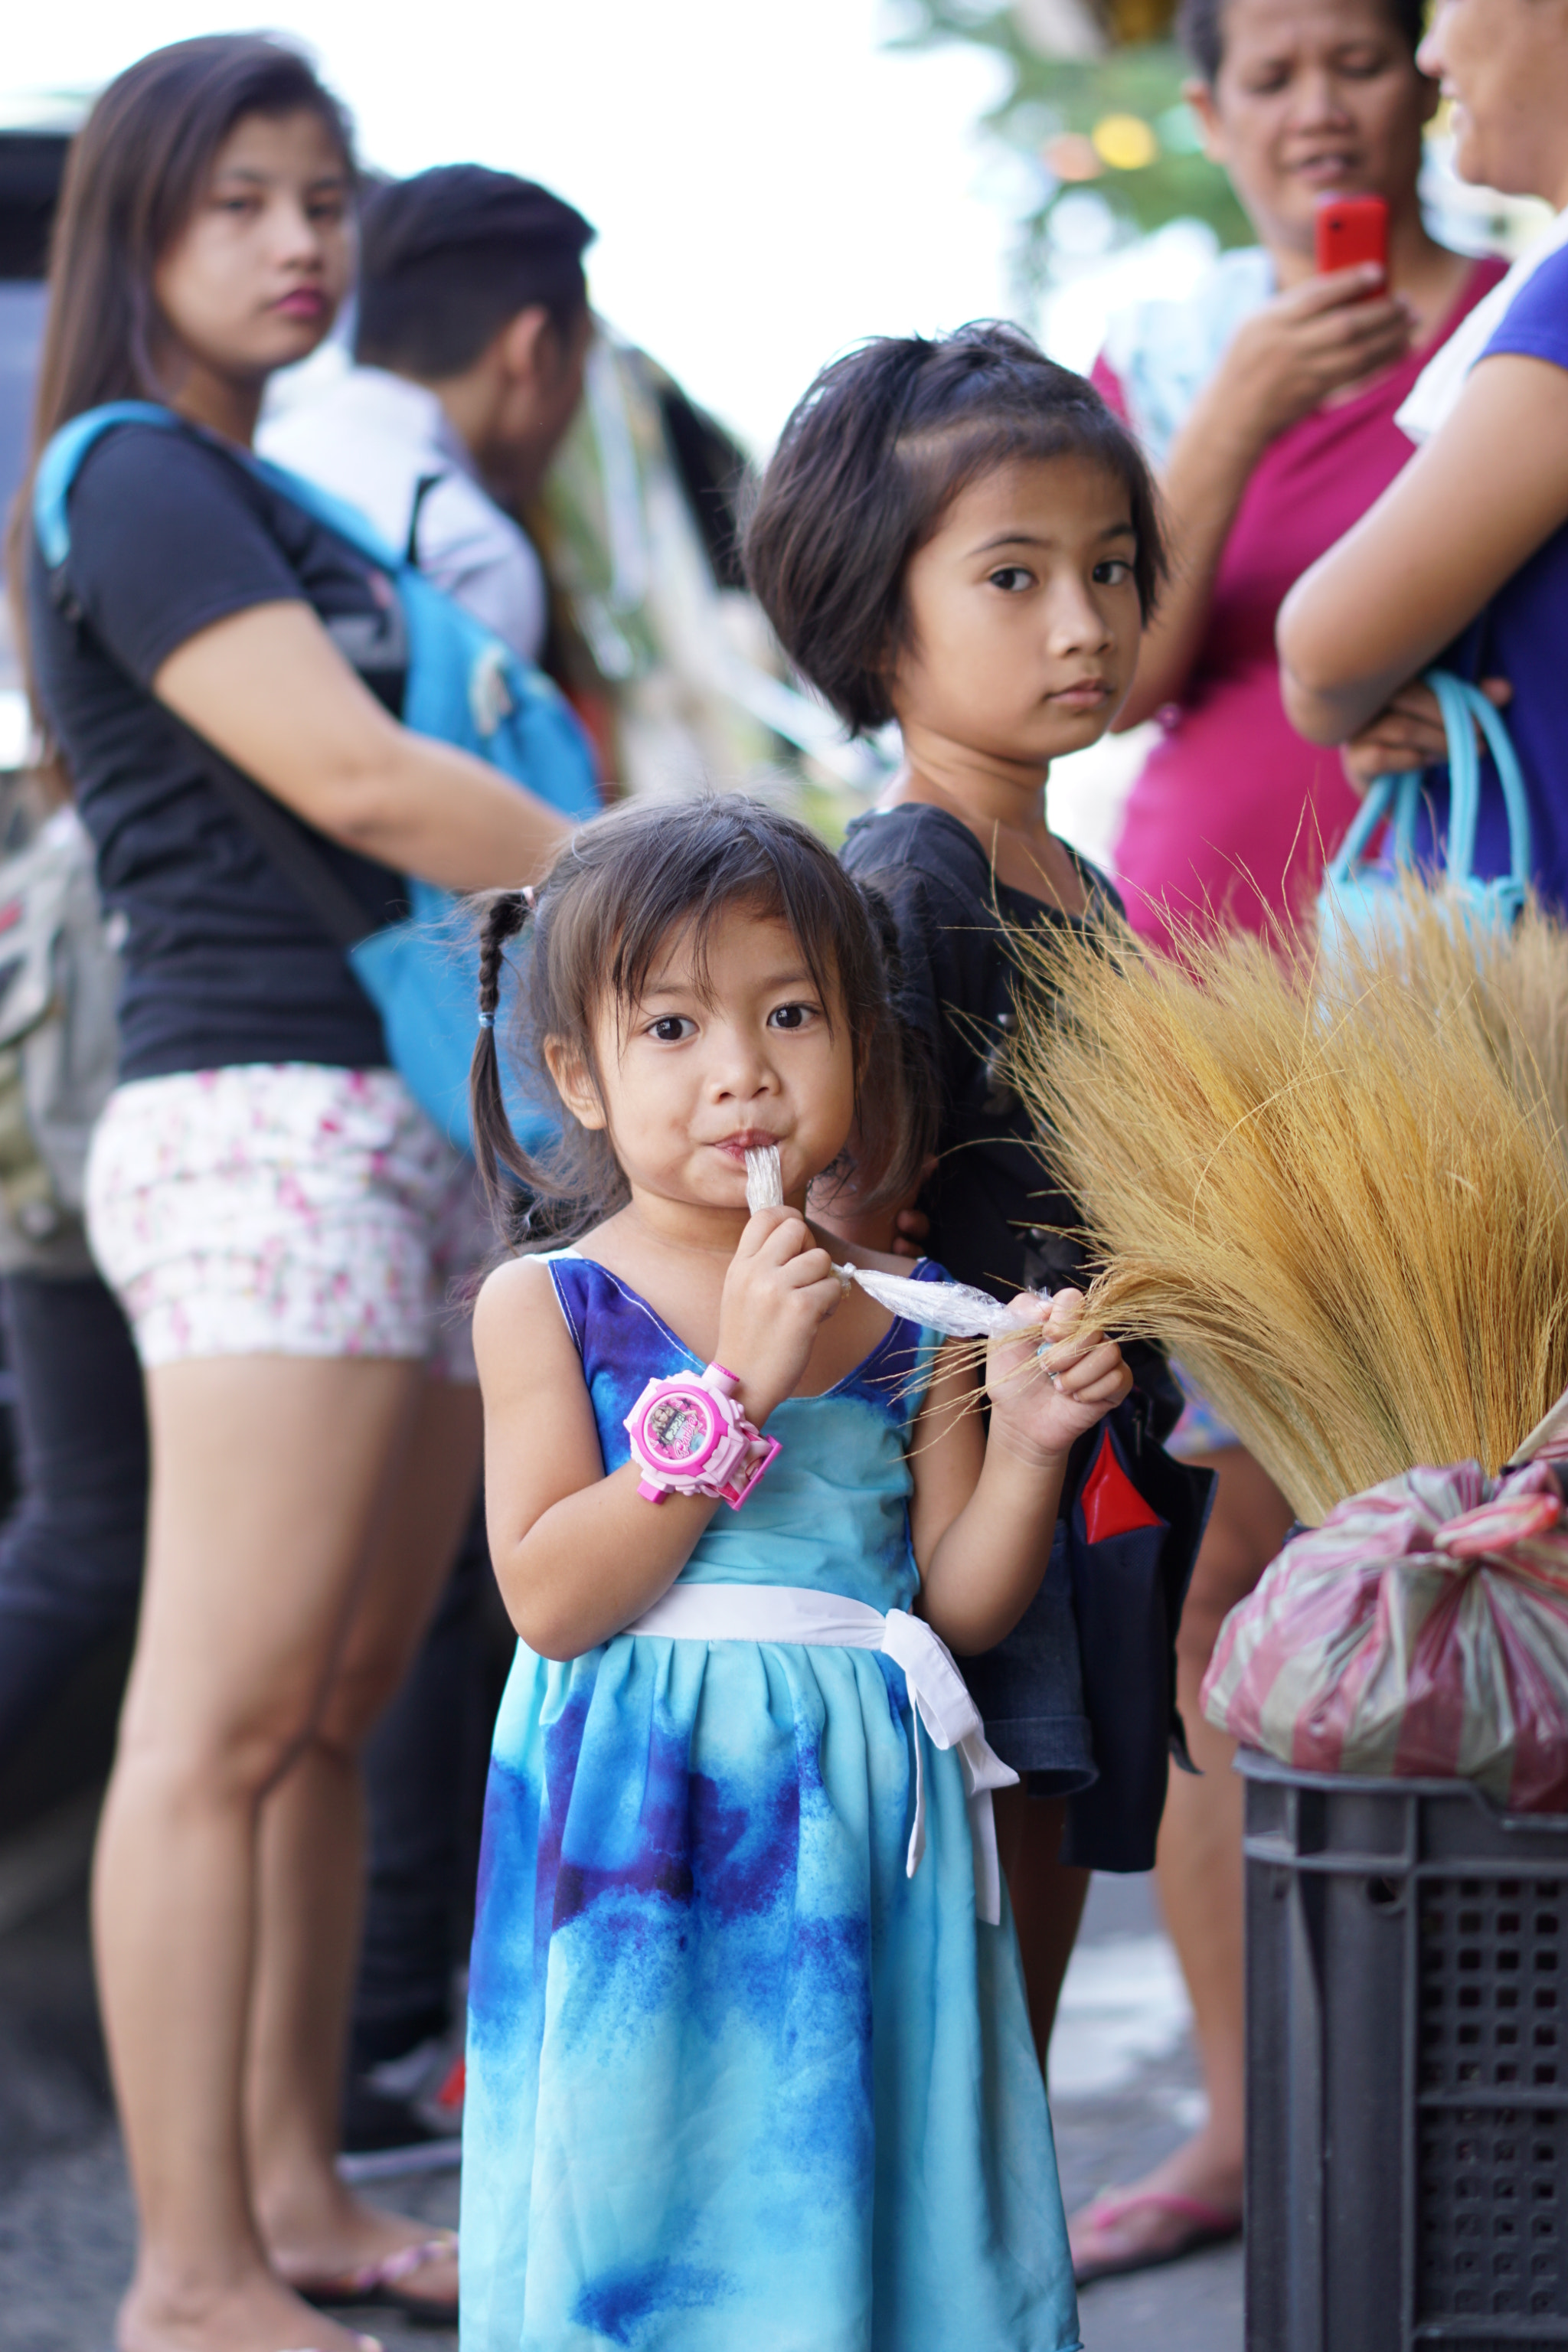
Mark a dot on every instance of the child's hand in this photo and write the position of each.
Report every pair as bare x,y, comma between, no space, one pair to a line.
1053,1381
780,1289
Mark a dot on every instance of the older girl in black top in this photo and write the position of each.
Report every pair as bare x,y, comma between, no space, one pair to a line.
958,535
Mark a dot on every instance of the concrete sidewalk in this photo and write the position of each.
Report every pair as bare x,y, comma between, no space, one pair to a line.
1126,2090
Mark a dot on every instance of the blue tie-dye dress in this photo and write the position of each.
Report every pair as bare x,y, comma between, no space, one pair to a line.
736,2084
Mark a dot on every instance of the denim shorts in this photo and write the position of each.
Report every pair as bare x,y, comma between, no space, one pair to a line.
1029,1689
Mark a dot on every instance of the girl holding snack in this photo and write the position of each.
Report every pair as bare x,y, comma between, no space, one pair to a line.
959,535
749,2058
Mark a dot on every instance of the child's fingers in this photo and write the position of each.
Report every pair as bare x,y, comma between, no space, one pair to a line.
1076,1361
781,1244
775,1236
761,1225
1060,1356
826,1298
1104,1389
810,1267
1097,1379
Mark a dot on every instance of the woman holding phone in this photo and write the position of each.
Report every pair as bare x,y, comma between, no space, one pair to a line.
1268,401
279,1219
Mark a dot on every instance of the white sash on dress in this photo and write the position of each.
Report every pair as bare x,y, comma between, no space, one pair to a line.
795,1612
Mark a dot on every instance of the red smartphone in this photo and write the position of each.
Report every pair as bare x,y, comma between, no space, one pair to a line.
1352,229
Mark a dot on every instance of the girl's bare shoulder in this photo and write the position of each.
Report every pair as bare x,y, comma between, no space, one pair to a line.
518,1313
522,1287
511,1284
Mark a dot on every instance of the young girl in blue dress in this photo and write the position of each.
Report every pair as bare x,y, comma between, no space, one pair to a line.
749,2057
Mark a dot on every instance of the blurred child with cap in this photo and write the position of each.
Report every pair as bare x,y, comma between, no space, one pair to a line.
472,332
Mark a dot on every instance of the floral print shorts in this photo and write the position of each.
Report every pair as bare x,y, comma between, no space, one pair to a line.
286,1209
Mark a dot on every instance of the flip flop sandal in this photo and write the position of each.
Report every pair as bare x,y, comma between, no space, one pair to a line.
379,2285
1208,2225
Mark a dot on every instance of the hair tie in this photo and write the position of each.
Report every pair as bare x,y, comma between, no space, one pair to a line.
529,895
487,1020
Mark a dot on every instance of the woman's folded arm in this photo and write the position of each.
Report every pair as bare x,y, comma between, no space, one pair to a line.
326,748
1466,514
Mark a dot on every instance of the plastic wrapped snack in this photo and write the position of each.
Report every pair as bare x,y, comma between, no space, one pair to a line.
954,1308
1422,1631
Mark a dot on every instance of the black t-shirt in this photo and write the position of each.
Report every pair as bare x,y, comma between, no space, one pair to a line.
223,961
996,1219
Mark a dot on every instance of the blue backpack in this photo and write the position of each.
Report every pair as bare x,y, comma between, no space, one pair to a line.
464,686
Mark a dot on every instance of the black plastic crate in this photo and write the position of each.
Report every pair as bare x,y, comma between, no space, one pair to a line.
1408,2066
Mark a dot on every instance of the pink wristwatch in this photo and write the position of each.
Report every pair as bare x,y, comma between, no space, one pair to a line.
689,1436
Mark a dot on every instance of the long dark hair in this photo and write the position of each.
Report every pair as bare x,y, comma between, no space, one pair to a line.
135,175
595,930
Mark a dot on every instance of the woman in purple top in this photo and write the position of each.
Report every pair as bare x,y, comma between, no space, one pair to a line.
1464,557
1268,399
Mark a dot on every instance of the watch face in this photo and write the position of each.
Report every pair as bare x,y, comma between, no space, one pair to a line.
678,1428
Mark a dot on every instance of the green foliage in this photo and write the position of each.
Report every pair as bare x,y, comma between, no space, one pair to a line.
1052,96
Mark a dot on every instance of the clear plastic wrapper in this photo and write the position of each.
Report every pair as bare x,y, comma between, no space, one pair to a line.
954,1308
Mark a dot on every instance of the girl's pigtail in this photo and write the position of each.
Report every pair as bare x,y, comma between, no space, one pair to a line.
496,1147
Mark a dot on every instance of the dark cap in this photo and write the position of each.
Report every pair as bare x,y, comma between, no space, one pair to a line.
448,256
455,205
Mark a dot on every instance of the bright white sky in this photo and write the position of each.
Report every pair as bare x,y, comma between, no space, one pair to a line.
768,183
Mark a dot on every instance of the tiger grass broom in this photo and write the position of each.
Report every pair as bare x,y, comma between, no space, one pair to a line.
1343,1207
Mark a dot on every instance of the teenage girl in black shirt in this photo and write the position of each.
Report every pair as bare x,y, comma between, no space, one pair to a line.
959,535
273,1209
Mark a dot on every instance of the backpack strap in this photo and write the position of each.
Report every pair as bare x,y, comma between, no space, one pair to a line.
274,827
61,462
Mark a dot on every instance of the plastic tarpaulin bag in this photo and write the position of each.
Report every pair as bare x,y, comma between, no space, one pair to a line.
1421,1631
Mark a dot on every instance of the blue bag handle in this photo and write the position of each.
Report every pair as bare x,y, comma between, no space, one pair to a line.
1398,797
1463,707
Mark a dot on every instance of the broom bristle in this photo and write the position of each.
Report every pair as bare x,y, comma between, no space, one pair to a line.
1342,1203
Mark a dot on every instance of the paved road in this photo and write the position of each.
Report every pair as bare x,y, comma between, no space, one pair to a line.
1125,2090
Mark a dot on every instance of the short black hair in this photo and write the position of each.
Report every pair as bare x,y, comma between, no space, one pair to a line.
879,447
447,257
1200,28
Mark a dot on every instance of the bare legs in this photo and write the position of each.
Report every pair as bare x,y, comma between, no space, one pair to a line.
1048,1896
286,1586
313,1882
1199,1864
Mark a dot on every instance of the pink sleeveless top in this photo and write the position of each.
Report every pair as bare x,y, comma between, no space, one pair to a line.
1233,813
